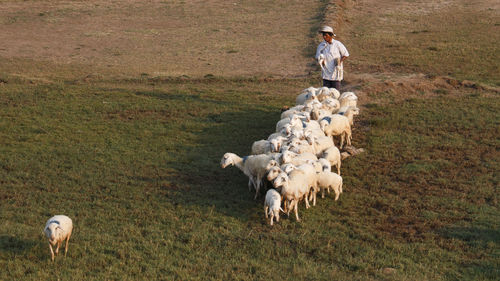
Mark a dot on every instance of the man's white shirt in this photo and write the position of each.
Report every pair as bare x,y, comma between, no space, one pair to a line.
331,52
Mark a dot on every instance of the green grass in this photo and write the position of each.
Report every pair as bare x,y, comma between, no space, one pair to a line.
136,165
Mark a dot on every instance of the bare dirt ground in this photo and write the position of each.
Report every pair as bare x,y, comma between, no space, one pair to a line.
158,38
401,46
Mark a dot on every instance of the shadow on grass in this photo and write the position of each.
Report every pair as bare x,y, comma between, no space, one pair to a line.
472,235
16,245
225,189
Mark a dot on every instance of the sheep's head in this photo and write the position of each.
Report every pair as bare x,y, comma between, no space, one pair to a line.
53,232
287,168
271,164
325,164
227,160
281,180
286,157
323,124
334,93
273,173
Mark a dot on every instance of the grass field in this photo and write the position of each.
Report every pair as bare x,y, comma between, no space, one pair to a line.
134,162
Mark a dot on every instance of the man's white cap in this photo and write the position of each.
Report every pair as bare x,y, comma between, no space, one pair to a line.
325,28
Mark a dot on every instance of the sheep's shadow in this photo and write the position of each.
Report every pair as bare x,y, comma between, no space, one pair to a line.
199,179
16,245
226,189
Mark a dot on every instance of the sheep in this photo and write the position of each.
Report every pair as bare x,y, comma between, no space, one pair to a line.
348,99
295,122
253,166
326,92
272,205
261,147
294,110
294,187
332,154
337,125
57,229
330,104
327,180
319,143
306,95
297,159
349,112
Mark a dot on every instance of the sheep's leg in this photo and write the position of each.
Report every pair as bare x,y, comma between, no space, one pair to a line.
307,202
58,245
277,216
257,189
272,218
265,211
342,137
323,192
341,187
290,207
51,252
337,192
296,212
338,169
66,246
250,184
314,198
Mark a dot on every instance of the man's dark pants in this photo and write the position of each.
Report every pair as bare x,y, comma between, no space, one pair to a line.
331,84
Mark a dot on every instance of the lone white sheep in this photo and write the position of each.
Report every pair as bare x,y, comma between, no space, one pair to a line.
57,229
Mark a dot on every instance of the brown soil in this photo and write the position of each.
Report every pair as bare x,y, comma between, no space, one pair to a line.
158,38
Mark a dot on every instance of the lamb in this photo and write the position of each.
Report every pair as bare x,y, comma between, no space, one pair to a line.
327,180
57,229
253,166
272,205
333,156
337,125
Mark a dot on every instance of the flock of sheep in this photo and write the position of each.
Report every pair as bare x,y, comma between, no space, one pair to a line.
299,157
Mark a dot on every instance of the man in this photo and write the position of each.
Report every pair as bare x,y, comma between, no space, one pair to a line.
330,55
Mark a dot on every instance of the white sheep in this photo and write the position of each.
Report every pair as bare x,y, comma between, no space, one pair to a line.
297,159
306,95
333,156
349,112
253,166
272,205
348,99
325,92
319,143
294,187
261,147
294,110
337,125
57,229
327,180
